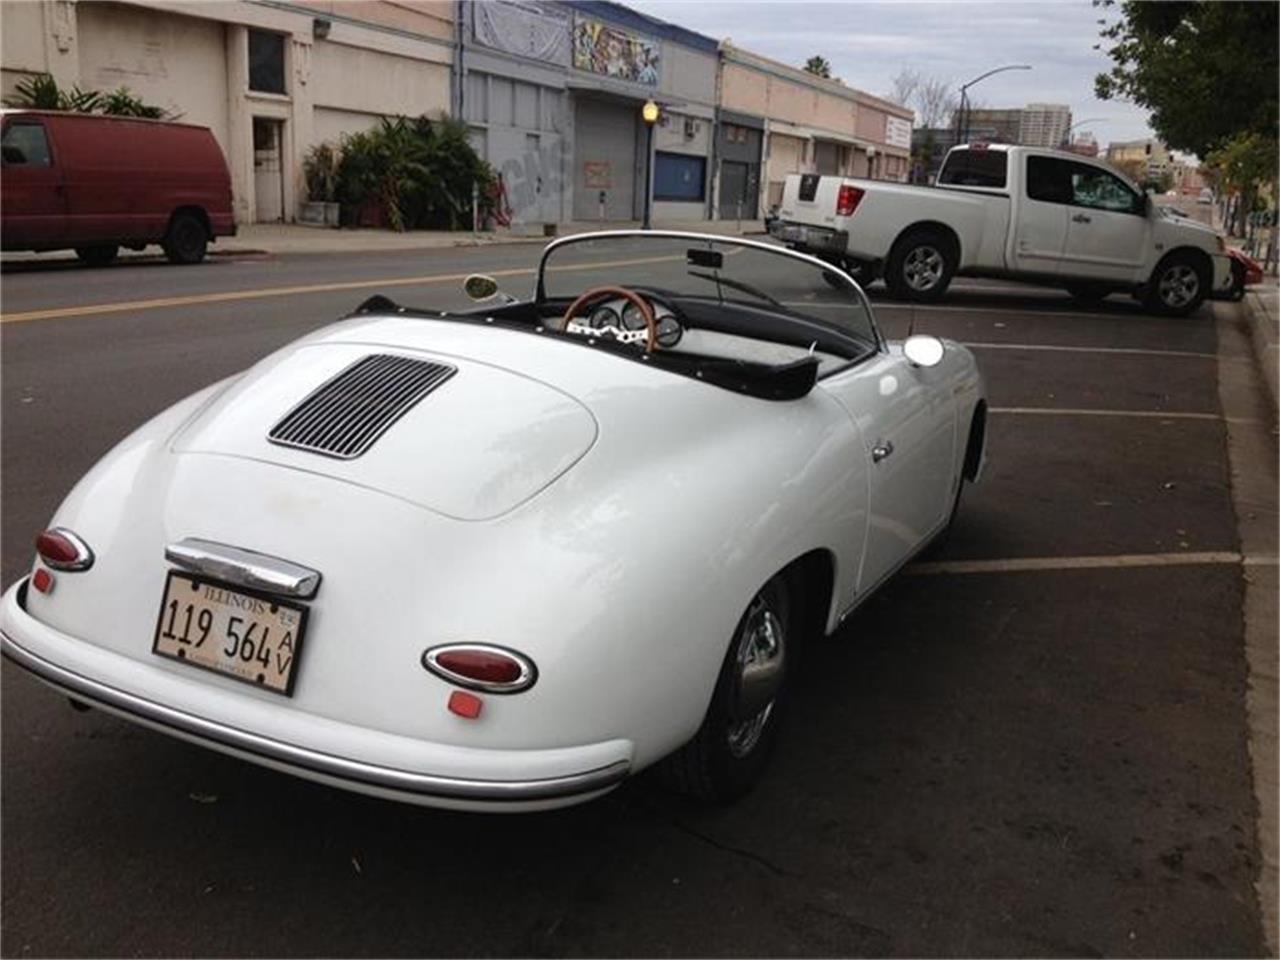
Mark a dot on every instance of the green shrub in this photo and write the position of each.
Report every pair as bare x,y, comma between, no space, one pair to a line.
418,172
41,92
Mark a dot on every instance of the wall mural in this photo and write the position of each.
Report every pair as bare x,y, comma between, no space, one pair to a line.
612,52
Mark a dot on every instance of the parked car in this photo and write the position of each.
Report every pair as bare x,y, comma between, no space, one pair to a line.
1019,213
1245,272
1206,196
98,183
506,558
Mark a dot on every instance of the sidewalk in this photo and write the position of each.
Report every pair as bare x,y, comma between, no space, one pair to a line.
281,238
1262,306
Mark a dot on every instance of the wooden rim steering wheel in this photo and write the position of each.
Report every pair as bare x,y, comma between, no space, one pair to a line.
622,336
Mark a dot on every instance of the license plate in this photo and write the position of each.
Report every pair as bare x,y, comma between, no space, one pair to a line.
233,632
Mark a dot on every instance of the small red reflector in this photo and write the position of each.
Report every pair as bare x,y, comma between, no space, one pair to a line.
42,580
487,666
848,199
464,704
63,550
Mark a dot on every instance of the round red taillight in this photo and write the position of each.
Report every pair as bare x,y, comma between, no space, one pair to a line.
481,666
63,550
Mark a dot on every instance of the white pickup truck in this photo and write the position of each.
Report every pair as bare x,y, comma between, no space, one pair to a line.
1017,213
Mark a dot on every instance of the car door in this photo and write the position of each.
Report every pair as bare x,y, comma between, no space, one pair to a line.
1040,231
906,415
1109,233
34,211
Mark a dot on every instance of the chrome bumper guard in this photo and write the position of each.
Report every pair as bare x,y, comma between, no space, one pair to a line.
339,768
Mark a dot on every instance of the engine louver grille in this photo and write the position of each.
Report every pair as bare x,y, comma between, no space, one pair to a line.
348,413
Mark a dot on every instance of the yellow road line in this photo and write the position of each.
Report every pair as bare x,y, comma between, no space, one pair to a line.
229,296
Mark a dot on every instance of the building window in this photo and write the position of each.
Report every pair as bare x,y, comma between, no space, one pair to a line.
679,177
266,62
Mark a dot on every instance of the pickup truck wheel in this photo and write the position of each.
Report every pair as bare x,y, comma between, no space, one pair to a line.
1088,292
728,754
920,267
186,240
97,256
1178,285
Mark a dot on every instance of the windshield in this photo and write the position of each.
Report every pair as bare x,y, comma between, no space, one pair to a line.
721,281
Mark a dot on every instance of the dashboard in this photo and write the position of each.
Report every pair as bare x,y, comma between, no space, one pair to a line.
622,314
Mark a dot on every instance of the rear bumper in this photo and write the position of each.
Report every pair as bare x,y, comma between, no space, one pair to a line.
50,656
810,239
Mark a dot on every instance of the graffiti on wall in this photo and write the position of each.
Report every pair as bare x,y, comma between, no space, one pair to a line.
611,52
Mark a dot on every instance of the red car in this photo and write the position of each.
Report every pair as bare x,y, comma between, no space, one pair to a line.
1245,271
95,184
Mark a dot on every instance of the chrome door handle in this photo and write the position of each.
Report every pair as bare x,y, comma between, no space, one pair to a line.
1081,218
881,450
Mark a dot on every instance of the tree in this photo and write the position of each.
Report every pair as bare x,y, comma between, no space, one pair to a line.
904,88
931,98
1205,69
819,66
1238,166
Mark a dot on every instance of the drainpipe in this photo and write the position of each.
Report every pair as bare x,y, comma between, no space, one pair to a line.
459,75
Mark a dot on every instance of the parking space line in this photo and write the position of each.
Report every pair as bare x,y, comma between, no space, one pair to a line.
1135,351
1082,412
883,305
1122,560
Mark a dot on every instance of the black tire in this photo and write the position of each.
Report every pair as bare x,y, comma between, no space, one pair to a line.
1237,281
1088,292
728,754
920,266
186,240
99,255
1178,285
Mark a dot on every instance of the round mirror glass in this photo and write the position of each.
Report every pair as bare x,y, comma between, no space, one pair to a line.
480,287
923,350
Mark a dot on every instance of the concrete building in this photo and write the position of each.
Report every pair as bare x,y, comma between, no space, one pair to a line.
1084,144
1035,125
1137,155
1045,125
270,79
806,124
553,94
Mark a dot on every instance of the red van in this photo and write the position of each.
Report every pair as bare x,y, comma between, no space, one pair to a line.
95,184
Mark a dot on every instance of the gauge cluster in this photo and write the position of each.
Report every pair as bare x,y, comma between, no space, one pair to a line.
625,315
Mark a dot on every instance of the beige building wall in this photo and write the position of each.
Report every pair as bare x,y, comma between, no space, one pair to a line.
345,65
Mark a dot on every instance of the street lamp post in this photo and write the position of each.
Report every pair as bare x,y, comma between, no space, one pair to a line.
649,113
962,125
1066,137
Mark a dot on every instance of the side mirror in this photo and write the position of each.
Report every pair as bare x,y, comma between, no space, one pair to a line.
480,287
923,350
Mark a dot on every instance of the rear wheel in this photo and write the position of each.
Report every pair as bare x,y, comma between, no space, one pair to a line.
1178,285
98,256
728,754
920,266
186,240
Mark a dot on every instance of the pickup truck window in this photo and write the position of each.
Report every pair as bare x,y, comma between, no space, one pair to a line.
1048,179
975,168
1091,187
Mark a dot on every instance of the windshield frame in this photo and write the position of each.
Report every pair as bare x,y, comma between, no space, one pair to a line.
881,345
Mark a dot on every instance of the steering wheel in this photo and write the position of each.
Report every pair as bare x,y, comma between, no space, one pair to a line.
649,335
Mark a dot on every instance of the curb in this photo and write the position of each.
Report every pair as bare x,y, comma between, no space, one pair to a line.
1264,334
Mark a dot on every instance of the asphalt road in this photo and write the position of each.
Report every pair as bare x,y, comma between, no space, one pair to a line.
1011,751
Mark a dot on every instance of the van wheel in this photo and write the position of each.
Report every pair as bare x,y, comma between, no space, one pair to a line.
186,240
920,266
98,256
1178,285
729,752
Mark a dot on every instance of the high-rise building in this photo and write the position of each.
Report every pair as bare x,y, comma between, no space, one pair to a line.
1044,124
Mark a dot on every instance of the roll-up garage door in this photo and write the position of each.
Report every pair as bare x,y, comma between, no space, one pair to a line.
604,160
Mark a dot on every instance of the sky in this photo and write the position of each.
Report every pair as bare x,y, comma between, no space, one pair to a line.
868,43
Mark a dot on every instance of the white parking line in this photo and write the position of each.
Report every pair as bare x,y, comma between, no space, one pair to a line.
1080,412
1123,560
1136,351
880,306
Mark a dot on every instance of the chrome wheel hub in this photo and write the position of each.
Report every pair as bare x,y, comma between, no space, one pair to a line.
922,268
1179,286
761,660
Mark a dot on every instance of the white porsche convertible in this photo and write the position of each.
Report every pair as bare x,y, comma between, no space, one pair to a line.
503,558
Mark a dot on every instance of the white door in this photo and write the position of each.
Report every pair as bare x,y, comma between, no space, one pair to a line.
909,431
1040,231
1108,233
268,171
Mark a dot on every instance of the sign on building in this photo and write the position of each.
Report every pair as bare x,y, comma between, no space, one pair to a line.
612,52
897,132
527,29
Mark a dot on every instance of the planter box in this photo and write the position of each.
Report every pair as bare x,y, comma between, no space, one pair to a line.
316,214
